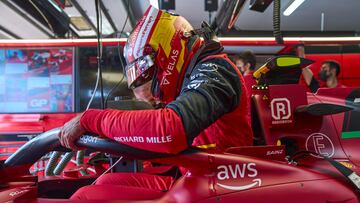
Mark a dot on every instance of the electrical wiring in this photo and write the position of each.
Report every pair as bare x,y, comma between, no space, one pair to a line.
67,157
43,16
121,62
99,57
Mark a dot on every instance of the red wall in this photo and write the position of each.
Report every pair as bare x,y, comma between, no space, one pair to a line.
350,66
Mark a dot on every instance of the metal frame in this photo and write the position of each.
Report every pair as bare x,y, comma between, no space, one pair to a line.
8,32
28,18
107,15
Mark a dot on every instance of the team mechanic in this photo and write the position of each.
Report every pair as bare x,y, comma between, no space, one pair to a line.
202,91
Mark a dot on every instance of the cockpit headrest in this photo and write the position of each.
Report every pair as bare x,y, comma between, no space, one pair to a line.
281,70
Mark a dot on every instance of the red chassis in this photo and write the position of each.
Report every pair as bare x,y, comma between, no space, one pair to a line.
228,177
306,127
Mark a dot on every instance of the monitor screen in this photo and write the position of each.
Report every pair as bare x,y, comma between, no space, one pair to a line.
36,80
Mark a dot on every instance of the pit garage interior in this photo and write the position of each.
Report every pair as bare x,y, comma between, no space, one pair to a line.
59,58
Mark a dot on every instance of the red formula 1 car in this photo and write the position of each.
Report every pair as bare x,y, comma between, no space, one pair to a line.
308,151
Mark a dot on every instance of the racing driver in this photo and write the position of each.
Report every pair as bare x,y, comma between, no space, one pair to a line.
202,93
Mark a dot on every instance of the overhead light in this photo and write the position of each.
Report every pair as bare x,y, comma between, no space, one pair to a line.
80,23
292,7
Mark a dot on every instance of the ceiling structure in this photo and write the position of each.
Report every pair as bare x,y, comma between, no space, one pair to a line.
32,19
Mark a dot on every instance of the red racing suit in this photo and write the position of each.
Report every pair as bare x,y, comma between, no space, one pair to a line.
249,82
210,112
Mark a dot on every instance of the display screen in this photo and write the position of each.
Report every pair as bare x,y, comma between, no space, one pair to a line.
36,80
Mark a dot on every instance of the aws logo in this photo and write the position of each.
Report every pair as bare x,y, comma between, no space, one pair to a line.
238,172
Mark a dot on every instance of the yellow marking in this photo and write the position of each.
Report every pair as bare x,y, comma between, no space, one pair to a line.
207,146
287,61
163,33
346,164
181,57
278,143
262,70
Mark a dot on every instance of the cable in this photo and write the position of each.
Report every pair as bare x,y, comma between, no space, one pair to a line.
175,178
121,62
113,88
63,162
276,22
80,154
93,94
69,155
210,17
99,58
99,50
43,16
107,170
49,169
79,159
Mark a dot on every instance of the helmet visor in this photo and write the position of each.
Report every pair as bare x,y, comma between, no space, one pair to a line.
139,71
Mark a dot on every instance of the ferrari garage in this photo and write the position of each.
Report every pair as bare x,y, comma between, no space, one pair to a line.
179,101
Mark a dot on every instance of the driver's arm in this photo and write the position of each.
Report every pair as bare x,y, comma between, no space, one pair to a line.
212,90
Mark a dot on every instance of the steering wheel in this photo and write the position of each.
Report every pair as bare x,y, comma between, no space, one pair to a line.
49,141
